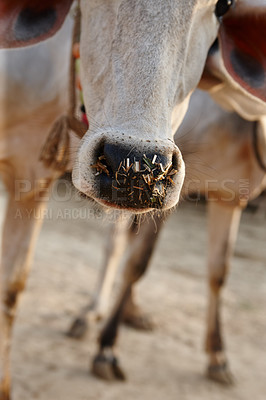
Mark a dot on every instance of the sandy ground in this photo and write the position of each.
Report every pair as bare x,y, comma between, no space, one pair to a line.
167,364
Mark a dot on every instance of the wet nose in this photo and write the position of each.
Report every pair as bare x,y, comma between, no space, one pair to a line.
135,178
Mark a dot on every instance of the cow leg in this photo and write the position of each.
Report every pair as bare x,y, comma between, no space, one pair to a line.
119,236
223,226
21,226
105,364
133,316
97,309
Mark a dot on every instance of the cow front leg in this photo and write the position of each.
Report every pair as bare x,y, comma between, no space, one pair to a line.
21,226
133,316
223,227
105,364
119,236
97,309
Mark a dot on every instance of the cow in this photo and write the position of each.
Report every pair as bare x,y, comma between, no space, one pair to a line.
140,62
34,83
235,76
239,101
231,86
219,150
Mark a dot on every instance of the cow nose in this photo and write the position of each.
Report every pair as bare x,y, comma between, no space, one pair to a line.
135,179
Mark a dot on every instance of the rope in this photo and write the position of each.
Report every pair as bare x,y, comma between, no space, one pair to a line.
55,152
72,75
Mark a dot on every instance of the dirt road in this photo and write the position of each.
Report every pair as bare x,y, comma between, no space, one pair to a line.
167,364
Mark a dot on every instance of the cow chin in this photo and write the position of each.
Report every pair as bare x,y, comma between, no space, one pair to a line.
124,172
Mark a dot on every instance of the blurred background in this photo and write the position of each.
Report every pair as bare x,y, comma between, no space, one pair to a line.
168,363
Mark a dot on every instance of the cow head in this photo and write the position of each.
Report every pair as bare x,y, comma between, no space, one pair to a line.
140,61
235,72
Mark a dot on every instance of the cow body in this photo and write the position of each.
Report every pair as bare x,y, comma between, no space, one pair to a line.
33,92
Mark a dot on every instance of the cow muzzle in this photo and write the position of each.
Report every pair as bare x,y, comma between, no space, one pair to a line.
129,173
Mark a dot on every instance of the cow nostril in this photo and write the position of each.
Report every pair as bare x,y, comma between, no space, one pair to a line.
175,162
100,164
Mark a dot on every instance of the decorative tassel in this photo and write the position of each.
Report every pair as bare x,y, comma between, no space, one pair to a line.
55,152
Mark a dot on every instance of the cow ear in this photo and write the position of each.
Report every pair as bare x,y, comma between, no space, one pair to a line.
26,22
243,47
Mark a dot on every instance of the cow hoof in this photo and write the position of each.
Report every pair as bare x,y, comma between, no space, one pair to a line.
78,329
107,368
220,374
139,321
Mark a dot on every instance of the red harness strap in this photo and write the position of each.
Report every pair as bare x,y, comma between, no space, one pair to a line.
76,55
